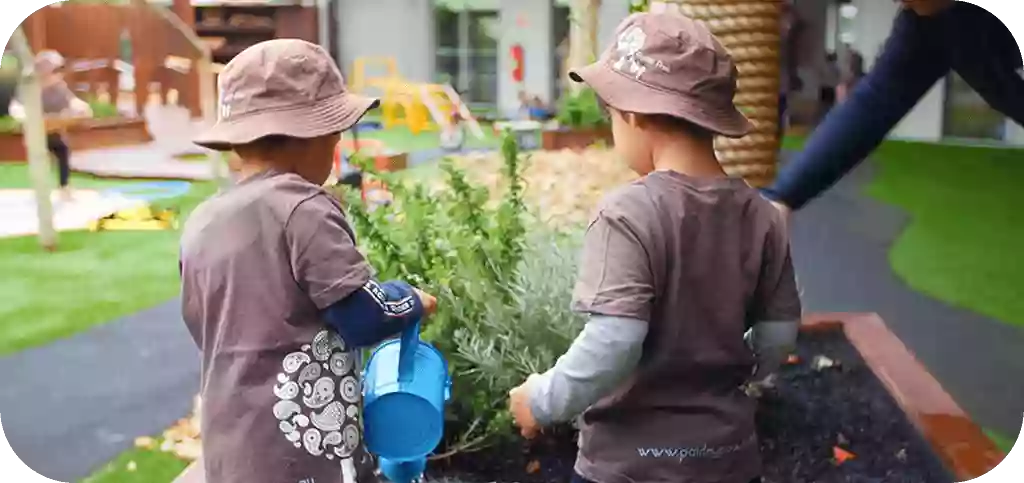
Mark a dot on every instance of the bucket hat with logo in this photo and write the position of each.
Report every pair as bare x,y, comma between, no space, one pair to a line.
48,61
669,64
285,87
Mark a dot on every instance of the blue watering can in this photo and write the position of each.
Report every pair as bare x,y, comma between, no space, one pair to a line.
406,386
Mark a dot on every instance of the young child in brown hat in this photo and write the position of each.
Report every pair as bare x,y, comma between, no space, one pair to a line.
676,268
274,291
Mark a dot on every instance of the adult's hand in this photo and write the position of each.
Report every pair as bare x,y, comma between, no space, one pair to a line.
926,8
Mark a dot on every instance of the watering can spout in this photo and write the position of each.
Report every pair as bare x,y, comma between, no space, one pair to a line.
405,391
404,471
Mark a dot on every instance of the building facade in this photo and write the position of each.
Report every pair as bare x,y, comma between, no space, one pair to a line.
468,43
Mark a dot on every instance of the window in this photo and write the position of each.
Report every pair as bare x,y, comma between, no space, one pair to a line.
967,115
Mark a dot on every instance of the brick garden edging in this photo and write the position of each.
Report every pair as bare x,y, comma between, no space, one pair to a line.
953,436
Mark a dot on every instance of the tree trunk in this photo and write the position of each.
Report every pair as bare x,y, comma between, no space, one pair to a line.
583,48
34,133
751,30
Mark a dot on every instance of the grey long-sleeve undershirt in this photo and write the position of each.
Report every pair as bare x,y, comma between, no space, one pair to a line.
601,357
608,350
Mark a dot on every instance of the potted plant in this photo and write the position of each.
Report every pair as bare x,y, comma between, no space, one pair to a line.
582,122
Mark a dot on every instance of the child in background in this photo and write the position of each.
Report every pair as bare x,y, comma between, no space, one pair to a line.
57,100
676,268
274,291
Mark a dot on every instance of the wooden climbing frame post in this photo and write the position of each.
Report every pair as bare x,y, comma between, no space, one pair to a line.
751,31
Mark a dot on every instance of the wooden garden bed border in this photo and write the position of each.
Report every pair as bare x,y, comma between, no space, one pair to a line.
92,134
958,442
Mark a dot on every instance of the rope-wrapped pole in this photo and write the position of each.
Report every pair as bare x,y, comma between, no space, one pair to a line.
751,31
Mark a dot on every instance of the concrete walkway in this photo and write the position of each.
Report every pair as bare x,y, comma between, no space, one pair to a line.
840,246
71,406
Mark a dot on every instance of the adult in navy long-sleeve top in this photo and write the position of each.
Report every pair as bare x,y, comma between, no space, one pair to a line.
929,38
375,312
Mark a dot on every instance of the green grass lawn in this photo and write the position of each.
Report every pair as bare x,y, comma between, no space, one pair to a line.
403,140
140,465
16,176
91,279
1002,441
963,243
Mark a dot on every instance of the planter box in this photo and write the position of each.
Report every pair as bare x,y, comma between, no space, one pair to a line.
901,386
91,134
955,439
575,139
391,161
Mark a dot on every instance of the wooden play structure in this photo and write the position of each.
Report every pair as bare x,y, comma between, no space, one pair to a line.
420,107
118,52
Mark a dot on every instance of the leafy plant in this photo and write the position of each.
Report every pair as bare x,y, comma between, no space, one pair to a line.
582,110
9,125
503,284
102,109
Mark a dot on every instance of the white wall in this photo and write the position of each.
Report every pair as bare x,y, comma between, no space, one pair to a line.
1014,133
538,47
611,13
873,23
403,29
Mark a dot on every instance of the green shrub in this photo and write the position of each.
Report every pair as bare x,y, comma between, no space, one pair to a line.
9,125
503,290
103,110
582,110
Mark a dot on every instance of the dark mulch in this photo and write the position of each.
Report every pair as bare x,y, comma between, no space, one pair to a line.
810,412
800,421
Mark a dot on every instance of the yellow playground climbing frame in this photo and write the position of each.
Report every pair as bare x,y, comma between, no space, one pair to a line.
421,107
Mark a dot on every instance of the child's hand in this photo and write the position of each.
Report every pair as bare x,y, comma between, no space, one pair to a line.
429,301
519,406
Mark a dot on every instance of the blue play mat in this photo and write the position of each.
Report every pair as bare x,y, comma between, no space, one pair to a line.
152,191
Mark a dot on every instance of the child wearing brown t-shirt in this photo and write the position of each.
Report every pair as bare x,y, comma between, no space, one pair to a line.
274,291
677,267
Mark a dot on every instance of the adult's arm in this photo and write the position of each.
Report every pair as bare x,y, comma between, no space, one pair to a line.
909,66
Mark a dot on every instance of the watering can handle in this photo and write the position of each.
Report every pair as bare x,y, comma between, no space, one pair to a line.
407,351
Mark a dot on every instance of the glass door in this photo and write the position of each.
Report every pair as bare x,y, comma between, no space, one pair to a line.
484,29
446,33
967,116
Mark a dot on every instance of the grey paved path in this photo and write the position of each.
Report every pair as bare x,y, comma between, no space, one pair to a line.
73,405
841,244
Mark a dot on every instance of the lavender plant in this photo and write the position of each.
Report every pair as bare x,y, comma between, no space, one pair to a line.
502,279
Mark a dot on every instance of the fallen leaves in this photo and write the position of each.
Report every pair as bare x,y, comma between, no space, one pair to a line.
820,363
563,186
841,455
182,439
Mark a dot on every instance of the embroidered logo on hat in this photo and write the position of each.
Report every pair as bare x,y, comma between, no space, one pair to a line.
631,59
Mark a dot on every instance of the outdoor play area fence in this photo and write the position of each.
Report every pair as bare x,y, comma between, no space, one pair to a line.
94,36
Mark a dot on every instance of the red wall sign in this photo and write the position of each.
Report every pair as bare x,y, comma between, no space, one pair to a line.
517,62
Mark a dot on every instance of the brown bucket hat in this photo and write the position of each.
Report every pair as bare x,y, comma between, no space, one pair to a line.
286,87
670,64
48,61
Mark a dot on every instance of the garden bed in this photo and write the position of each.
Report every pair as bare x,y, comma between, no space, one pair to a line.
801,421
92,134
575,138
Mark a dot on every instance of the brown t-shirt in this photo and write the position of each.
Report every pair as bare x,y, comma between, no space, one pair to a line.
280,391
56,98
700,260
